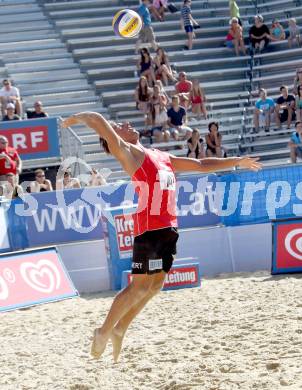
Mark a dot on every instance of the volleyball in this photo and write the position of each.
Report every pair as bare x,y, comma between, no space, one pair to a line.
126,23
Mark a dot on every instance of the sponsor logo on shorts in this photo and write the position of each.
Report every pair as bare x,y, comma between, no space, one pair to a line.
124,227
155,264
181,276
137,265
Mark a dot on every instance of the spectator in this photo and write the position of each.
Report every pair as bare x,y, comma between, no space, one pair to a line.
162,90
195,145
234,11
295,143
10,94
234,38
158,9
97,179
159,120
197,100
285,107
163,69
38,111
259,34
297,80
10,161
9,189
299,104
40,184
10,113
277,32
214,141
293,33
188,23
67,182
145,66
264,108
142,97
183,89
146,34
177,118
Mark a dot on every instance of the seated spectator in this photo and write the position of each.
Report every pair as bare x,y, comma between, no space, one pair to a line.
10,161
67,182
295,143
159,120
145,66
285,108
234,38
10,113
162,68
183,88
97,179
264,108
162,90
38,111
294,35
177,118
143,96
214,142
195,145
41,184
259,34
277,32
297,80
9,189
197,100
299,104
158,9
10,94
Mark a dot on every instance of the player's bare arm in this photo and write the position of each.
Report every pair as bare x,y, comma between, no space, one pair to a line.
212,164
129,155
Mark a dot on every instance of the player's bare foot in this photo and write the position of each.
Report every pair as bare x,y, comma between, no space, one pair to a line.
98,344
117,340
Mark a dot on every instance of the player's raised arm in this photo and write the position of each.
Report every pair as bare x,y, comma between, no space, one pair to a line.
212,164
102,127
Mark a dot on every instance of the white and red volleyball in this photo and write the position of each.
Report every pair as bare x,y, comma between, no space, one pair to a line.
126,23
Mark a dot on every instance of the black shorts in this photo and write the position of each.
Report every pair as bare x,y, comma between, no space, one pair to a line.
153,251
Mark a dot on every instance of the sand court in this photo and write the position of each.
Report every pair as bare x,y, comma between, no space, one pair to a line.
239,331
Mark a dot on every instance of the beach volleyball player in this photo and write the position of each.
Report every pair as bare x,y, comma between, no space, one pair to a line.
155,224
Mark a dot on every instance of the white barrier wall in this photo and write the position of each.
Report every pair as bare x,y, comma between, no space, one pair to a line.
87,265
217,249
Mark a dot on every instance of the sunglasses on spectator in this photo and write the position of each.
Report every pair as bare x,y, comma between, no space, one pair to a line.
40,176
3,142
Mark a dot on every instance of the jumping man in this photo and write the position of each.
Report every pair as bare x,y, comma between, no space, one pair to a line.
155,224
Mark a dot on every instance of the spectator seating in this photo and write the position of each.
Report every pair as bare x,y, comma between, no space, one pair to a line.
108,63
37,61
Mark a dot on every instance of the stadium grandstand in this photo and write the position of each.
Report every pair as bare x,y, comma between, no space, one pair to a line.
64,54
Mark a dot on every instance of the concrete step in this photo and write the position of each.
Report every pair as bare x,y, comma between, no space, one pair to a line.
39,66
45,76
30,45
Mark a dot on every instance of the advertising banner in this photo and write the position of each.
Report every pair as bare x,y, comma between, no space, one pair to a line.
118,234
287,247
180,276
35,138
33,277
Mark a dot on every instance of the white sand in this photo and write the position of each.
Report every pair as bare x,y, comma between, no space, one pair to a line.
241,331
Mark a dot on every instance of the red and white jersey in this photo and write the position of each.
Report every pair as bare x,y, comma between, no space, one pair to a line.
155,184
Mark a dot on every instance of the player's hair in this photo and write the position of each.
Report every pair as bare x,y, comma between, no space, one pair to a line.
103,142
104,145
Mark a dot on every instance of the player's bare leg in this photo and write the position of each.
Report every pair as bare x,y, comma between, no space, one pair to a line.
120,329
125,300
